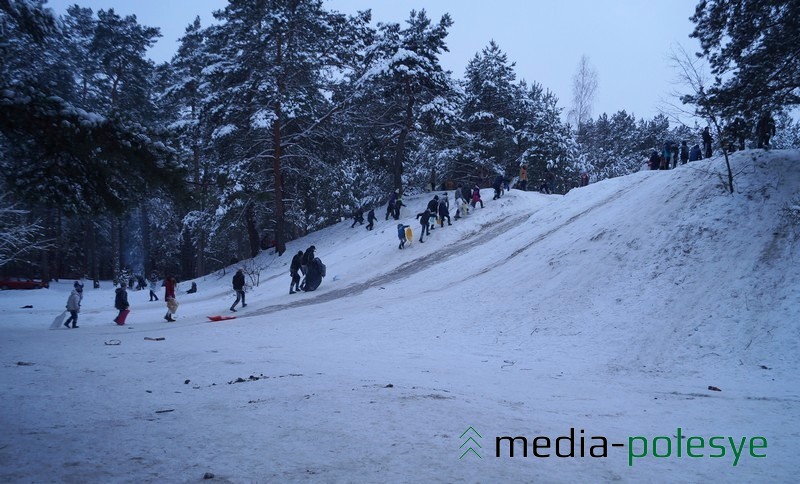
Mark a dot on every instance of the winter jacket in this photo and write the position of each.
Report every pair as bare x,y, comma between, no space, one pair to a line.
684,153
433,205
523,174
444,207
695,153
121,299
371,216
296,263
498,182
74,301
238,281
308,257
476,194
401,231
424,217
169,288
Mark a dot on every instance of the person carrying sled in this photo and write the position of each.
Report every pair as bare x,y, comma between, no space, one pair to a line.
371,219
460,202
294,271
305,263
169,297
121,304
74,304
424,222
238,286
444,209
401,234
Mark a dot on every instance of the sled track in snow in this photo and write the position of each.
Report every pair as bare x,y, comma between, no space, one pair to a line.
482,235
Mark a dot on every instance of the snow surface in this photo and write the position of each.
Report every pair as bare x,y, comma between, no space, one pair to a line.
611,309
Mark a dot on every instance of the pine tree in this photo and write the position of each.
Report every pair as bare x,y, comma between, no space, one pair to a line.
752,49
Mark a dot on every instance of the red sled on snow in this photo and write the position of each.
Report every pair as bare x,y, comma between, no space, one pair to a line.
120,320
220,318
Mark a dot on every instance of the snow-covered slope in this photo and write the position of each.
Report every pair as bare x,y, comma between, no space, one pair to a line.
611,309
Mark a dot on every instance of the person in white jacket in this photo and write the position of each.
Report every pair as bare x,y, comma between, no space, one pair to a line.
74,305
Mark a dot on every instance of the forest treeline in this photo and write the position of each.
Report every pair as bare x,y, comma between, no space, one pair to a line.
280,119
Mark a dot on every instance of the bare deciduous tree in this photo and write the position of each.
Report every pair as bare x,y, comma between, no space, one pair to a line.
17,236
692,75
584,87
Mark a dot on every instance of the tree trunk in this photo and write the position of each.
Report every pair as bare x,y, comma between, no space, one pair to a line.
115,248
252,230
280,236
399,154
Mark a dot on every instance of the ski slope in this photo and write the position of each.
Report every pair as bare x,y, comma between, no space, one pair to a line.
610,310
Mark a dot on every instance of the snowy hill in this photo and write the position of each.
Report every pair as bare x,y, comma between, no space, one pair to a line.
611,310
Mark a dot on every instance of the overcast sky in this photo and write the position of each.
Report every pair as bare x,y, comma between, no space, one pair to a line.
627,41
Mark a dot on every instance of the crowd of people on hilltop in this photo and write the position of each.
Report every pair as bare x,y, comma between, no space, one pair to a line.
734,136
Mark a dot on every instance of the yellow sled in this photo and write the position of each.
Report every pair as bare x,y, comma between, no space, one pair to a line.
409,235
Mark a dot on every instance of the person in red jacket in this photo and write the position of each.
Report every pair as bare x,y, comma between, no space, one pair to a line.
169,297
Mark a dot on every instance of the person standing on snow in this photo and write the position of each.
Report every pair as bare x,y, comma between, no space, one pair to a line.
74,305
371,219
152,285
238,286
169,297
707,142
294,270
121,302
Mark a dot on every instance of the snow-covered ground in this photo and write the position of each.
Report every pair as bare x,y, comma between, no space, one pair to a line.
609,310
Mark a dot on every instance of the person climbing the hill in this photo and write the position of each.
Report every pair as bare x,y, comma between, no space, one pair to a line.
433,208
498,187
461,204
358,218
294,271
390,203
401,234
476,196
371,219
424,222
444,209
398,204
